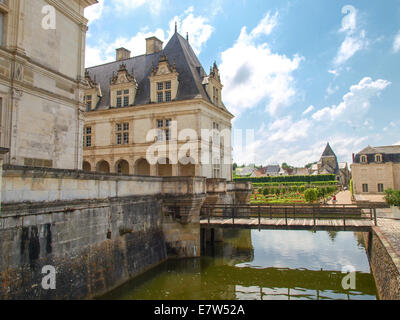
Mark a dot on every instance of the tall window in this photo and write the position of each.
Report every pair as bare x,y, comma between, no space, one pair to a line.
378,158
363,159
216,96
164,130
87,137
164,91
126,98
88,100
365,188
119,98
122,133
1,25
381,189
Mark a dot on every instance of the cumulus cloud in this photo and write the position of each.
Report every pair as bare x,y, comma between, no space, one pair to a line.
94,12
354,41
308,110
252,73
288,131
396,43
197,26
154,6
355,103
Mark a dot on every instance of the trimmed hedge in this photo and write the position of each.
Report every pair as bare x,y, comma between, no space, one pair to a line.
283,179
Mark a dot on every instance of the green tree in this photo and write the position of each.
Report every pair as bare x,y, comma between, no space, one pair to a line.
311,195
234,166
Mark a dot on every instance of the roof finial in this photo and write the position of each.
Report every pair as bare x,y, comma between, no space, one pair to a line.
187,36
176,26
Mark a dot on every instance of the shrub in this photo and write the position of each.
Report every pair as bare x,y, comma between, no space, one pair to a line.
304,179
311,195
393,197
266,192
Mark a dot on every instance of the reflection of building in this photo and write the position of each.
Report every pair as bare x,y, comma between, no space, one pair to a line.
41,73
131,97
376,169
328,164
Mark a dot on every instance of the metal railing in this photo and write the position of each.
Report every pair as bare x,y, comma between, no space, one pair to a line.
312,212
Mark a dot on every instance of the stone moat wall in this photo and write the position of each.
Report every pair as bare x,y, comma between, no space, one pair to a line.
93,249
129,225
381,258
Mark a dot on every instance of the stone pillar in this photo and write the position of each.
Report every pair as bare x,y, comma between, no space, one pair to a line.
181,225
175,170
153,170
3,152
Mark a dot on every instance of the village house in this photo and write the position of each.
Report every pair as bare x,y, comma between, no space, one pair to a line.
376,169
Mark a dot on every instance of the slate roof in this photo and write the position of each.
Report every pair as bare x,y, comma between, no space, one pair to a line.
274,169
389,154
178,51
328,152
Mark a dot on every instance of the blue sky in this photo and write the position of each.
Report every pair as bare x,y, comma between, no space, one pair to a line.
299,73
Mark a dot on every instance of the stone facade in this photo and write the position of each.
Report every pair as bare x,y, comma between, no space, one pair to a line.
97,230
41,81
328,164
157,104
376,169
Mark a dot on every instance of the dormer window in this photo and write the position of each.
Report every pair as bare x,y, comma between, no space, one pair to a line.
163,82
123,88
88,102
92,93
164,91
378,158
213,86
363,159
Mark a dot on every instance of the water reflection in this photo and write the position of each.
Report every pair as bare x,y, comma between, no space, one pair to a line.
260,265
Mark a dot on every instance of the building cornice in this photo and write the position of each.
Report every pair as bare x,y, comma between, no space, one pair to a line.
160,105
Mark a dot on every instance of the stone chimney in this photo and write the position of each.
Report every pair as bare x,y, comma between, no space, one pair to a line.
123,54
153,45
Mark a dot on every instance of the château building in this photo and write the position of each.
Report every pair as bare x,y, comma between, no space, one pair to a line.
162,101
376,169
42,54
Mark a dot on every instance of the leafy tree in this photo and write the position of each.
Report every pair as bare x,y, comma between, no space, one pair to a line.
393,197
311,195
234,166
266,191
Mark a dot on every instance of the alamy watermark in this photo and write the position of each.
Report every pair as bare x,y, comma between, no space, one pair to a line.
49,20
349,281
49,280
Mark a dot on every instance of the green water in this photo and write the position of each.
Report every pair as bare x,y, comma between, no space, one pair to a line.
261,265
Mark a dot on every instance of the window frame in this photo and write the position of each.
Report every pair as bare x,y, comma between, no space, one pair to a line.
87,136
365,188
122,136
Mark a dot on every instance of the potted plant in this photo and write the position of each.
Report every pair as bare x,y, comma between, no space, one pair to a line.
393,199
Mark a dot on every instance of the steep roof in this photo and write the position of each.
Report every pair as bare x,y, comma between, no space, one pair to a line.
383,150
328,152
178,51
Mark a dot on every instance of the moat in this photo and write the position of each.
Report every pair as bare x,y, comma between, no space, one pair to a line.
261,265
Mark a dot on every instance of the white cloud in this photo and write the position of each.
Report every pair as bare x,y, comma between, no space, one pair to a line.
331,89
252,73
396,43
397,143
94,12
354,41
355,103
308,110
197,27
288,131
154,6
